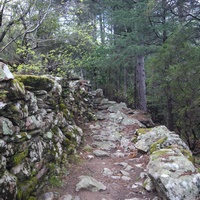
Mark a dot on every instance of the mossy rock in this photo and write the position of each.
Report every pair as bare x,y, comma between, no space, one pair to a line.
3,95
156,145
90,116
32,198
28,187
19,193
17,158
134,139
163,153
16,90
36,82
142,131
21,137
188,155
185,152
62,106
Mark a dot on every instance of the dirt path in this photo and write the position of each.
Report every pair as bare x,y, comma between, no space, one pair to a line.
108,155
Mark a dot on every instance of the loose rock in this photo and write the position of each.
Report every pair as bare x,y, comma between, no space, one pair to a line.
89,183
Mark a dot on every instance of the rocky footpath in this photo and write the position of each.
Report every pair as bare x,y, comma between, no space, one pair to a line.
126,157
53,148
38,129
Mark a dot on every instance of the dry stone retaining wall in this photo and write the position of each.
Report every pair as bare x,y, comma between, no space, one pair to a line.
38,131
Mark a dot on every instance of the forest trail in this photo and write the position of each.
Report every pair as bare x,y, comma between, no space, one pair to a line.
109,156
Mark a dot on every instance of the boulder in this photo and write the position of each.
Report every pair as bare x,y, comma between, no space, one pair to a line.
5,73
157,138
173,175
117,107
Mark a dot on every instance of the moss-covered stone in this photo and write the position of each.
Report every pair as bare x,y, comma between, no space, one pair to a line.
162,153
36,82
28,187
21,137
19,86
32,198
19,193
90,116
16,90
62,106
17,158
6,126
66,142
156,145
141,131
134,139
3,95
188,155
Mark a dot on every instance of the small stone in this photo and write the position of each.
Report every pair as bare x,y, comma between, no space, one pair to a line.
119,154
66,197
90,183
116,177
143,175
128,168
124,173
48,196
139,165
126,178
107,172
90,157
134,186
124,164
148,185
100,153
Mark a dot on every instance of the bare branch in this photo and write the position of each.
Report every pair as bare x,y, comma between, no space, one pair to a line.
27,31
7,28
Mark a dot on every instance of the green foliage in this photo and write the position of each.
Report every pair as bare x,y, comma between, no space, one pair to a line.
55,181
176,67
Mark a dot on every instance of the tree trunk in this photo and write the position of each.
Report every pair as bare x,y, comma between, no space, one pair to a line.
170,116
125,83
140,84
102,31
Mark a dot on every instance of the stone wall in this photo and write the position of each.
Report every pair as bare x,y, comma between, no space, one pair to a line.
38,129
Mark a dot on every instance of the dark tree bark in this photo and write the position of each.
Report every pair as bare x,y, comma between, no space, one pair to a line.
140,84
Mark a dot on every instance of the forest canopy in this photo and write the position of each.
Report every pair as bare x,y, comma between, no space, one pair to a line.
143,52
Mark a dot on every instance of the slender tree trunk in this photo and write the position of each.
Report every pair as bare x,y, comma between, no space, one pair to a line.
170,116
135,89
102,31
140,84
125,82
